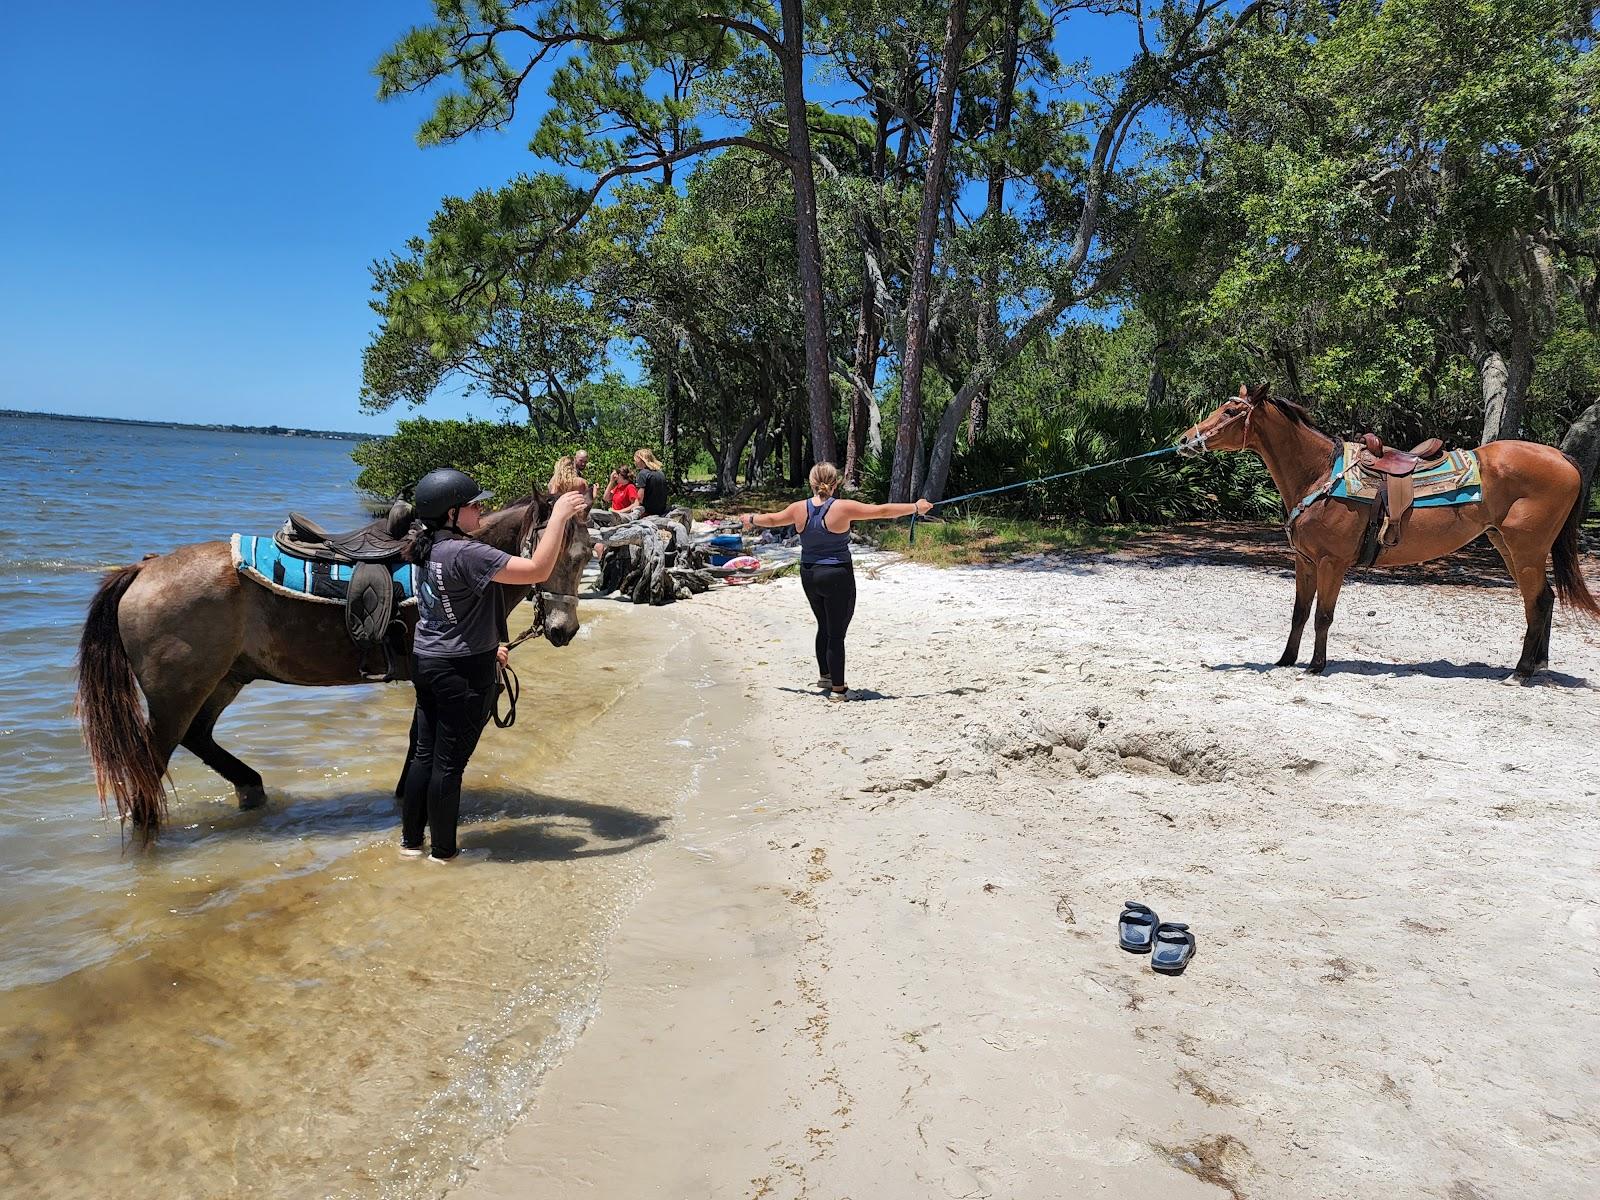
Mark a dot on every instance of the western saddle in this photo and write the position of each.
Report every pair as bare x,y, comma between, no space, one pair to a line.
372,552
1386,523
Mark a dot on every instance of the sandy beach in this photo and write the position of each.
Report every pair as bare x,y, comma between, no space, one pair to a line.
877,957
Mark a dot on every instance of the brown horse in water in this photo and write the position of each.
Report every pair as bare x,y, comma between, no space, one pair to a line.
1530,509
189,631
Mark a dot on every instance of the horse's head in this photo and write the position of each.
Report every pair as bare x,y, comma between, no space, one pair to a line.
1229,425
560,591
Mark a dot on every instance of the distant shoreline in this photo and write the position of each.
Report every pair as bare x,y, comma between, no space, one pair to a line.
265,430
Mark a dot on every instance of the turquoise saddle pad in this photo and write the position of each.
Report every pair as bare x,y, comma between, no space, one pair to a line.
266,562
1455,479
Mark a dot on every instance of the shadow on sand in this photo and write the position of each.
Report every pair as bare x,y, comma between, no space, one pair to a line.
513,824
1437,669
857,695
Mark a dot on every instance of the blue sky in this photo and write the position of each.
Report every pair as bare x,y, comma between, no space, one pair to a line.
191,196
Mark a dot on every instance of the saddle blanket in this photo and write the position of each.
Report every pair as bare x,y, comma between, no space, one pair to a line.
264,561
1454,479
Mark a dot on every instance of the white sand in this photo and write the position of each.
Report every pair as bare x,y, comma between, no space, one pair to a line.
879,958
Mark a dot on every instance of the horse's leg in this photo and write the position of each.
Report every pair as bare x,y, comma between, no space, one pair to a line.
1330,578
1525,560
1305,590
200,742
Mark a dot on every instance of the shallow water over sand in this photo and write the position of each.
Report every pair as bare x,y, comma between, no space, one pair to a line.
274,1003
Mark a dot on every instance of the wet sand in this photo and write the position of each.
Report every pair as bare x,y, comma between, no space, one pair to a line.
284,1007
877,956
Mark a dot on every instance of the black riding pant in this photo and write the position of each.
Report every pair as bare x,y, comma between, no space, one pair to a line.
453,699
831,591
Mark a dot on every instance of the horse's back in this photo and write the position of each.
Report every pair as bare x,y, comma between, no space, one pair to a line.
1512,469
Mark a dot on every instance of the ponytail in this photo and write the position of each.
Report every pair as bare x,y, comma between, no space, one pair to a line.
824,478
419,543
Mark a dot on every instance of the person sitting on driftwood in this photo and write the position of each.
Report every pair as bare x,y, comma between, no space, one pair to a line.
621,494
580,468
652,483
827,573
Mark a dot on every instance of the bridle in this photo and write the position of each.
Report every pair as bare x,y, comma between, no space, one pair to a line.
1197,444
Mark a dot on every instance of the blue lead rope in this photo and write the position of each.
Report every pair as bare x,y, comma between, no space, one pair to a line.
1011,487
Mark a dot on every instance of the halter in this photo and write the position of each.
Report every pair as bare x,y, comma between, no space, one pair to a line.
509,685
530,536
1197,444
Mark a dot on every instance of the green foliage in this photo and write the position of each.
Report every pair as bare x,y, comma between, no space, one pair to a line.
1361,203
1079,400
511,459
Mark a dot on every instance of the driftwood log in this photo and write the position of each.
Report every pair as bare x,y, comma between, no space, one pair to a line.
652,560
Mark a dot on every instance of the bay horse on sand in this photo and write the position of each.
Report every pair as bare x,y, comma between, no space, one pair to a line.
1530,508
189,631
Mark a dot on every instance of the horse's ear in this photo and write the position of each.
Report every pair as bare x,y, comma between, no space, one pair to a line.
1244,392
1264,391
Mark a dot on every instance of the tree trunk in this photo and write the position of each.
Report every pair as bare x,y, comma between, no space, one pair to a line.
1505,381
669,417
863,403
1583,443
808,241
797,453
1493,378
728,466
759,455
989,277
1505,369
907,431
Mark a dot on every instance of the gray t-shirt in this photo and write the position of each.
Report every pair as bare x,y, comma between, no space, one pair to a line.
458,612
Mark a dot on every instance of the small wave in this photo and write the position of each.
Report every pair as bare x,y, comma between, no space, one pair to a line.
60,565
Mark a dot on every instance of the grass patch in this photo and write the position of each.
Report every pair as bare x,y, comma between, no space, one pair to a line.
945,542
975,540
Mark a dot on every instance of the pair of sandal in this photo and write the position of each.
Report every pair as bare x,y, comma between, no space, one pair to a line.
1169,943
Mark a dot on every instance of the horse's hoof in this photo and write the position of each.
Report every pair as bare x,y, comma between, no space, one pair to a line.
1315,668
250,797
1285,661
1518,679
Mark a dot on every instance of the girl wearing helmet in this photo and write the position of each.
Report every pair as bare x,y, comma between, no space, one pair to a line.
457,644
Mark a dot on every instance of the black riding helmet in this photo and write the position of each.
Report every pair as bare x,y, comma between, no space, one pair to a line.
440,491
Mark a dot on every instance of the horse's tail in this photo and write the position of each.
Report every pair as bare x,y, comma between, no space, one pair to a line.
116,731
1570,585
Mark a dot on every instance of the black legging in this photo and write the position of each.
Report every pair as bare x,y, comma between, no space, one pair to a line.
832,593
453,698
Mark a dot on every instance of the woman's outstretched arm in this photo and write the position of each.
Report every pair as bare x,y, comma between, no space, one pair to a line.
772,520
854,510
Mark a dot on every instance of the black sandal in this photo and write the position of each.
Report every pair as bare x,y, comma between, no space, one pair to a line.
1136,927
1174,948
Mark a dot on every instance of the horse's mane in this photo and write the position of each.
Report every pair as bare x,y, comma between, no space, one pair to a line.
1297,413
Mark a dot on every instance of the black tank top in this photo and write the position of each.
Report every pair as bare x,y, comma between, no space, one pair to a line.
819,545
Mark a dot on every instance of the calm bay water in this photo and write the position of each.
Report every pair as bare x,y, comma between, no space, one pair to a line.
273,1003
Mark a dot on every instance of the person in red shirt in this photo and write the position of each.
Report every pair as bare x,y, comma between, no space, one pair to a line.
621,494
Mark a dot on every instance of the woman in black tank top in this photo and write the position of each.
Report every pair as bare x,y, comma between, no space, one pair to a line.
827,574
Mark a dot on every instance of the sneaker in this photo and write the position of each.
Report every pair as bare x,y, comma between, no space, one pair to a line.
411,851
460,858
824,683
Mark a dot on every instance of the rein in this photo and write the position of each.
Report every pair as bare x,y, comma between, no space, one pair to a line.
1011,487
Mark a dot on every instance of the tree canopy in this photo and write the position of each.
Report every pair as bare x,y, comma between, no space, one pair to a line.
924,240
